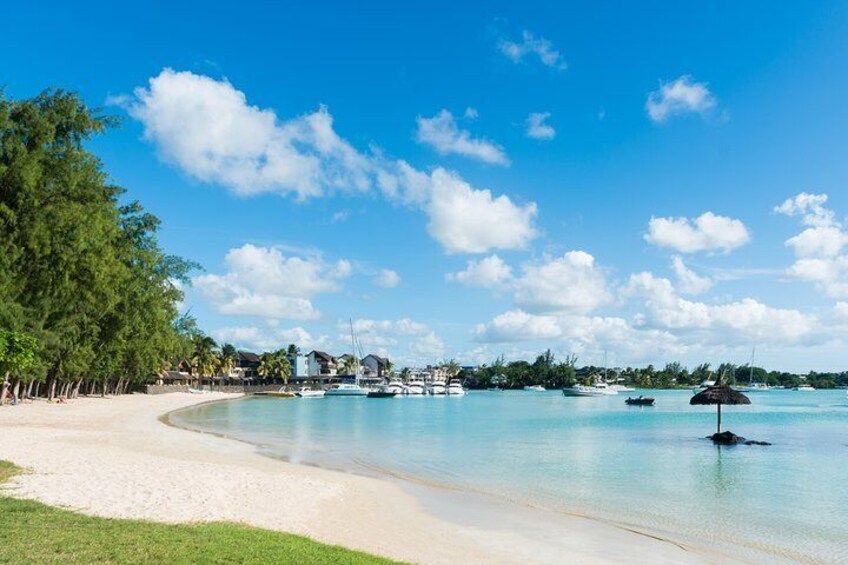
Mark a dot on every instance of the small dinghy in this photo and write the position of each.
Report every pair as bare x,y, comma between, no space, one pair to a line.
381,394
640,401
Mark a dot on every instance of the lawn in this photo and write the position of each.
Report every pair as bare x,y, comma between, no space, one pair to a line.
31,532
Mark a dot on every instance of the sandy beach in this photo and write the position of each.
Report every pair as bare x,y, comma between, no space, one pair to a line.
113,457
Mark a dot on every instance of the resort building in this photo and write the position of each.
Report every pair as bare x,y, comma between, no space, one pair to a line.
321,364
299,366
247,365
375,366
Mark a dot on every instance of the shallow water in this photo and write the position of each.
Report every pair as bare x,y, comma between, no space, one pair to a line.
645,467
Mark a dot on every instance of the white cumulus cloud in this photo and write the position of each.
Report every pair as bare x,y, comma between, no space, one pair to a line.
707,232
261,281
681,96
571,283
387,279
532,46
443,134
688,281
489,272
466,220
537,128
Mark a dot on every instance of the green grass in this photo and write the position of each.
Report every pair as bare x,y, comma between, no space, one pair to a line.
31,532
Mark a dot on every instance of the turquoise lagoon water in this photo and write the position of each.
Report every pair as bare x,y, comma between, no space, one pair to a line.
643,467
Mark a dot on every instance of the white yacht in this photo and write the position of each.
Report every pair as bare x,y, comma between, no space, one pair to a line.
438,387
804,388
455,388
598,389
535,388
415,387
306,392
759,387
346,389
395,385
703,386
621,388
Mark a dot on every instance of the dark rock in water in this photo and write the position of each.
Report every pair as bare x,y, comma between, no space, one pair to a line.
729,438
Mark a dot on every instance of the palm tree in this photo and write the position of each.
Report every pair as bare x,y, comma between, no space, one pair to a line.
228,358
282,366
203,355
293,350
349,365
452,368
266,367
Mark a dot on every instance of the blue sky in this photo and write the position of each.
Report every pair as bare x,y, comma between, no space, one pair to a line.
325,163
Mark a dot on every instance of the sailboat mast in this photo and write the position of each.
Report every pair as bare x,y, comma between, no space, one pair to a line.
353,351
751,368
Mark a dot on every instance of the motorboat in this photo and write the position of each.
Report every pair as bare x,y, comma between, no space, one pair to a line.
621,388
438,387
535,388
455,388
395,385
306,392
382,392
704,386
282,392
804,388
346,389
415,387
598,389
640,401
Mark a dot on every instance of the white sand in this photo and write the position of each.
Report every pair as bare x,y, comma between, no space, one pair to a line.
113,457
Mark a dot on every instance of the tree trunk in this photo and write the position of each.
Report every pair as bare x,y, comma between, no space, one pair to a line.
5,388
51,389
15,389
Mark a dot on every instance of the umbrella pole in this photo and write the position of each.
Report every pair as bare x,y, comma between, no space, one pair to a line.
718,427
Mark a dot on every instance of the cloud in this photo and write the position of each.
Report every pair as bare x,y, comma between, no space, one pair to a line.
809,206
403,340
387,279
571,283
471,113
269,339
518,325
442,134
532,46
207,129
261,281
339,216
745,320
489,272
465,220
537,128
819,248
681,96
689,282
707,232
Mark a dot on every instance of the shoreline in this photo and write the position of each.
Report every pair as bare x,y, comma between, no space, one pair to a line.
114,457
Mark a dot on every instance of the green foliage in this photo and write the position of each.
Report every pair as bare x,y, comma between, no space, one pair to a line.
80,271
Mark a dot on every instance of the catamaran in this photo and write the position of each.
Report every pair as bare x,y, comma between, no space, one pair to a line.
754,386
349,389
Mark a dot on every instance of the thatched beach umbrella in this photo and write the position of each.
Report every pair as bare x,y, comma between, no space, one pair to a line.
719,394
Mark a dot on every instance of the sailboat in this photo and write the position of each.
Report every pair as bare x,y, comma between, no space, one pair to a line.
753,386
348,389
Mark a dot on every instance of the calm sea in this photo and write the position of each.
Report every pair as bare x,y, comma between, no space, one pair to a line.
644,467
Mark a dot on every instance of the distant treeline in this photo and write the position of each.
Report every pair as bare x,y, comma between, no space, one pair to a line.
547,371
87,297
